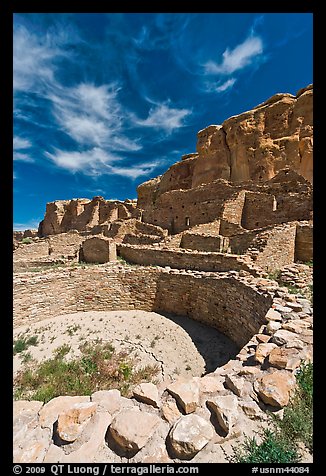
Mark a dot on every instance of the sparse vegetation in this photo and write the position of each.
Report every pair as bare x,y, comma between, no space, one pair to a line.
27,241
98,367
280,441
22,344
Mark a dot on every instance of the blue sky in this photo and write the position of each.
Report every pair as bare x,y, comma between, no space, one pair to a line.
104,102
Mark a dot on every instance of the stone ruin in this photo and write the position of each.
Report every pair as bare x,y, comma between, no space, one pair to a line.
205,236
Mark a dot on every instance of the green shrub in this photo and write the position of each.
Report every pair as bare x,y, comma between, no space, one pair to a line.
27,241
98,367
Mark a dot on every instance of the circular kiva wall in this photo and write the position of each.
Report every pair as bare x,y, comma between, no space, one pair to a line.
233,305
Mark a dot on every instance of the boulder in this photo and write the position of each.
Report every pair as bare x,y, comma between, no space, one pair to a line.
186,393
71,422
50,411
131,429
275,388
226,410
189,435
147,393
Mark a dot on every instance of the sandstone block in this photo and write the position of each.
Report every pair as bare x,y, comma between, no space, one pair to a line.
262,351
51,410
131,429
189,435
147,393
170,411
275,388
283,358
187,394
226,410
71,422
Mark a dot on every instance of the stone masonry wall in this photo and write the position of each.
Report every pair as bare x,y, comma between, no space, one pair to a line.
201,242
196,260
223,302
304,242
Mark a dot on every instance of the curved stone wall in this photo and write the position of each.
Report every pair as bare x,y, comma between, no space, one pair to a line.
224,301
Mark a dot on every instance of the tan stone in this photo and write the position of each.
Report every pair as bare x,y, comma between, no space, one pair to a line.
273,315
236,384
283,358
187,394
262,351
71,422
147,393
251,409
262,338
51,410
273,326
226,410
275,388
32,446
95,434
170,411
211,383
189,435
98,250
131,429
108,400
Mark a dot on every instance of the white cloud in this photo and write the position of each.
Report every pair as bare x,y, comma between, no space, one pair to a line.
33,60
91,162
226,85
164,117
92,115
238,58
21,144
96,162
135,171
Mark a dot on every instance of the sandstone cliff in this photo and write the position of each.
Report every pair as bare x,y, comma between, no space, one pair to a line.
254,145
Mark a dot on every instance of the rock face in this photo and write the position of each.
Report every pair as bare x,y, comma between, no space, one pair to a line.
252,148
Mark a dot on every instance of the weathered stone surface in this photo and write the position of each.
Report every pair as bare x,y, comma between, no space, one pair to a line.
51,410
273,326
283,358
107,400
189,435
147,393
282,336
131,429
226,410
170,411
262,351
32,447
93,435
273,315
236,384
71,422
98,250
210,383
187,394
275,388
251,409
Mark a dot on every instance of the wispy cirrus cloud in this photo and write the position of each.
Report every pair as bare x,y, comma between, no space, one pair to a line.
21,149
228,84
164,117
238,58
95,162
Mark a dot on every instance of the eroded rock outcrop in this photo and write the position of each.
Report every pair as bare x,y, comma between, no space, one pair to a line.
254,145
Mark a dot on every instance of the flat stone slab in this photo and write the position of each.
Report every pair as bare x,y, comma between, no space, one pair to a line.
51,410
